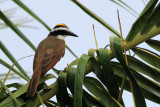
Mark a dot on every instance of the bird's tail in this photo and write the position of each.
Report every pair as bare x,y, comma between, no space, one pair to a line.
32,88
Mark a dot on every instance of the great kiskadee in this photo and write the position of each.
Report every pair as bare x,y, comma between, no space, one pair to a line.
48,53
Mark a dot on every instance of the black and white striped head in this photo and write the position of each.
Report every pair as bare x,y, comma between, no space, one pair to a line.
61,31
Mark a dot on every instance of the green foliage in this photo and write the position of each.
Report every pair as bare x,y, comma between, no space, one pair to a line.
10,56
117,48
75,88
142,20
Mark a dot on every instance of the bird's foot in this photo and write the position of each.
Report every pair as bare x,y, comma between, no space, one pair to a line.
58,71
106,46
47,89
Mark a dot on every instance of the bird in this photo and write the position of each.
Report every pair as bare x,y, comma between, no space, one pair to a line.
48,53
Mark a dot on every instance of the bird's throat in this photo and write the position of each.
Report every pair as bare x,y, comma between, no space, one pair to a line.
61,37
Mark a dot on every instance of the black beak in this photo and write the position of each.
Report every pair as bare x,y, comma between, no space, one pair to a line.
72,34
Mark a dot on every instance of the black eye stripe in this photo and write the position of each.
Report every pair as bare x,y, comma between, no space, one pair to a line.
59,32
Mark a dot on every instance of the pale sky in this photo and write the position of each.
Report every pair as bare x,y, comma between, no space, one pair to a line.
65,11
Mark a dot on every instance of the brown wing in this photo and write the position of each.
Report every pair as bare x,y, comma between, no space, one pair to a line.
47,55
37,54
50,58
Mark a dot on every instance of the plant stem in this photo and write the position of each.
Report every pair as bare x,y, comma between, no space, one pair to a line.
122,87
140,39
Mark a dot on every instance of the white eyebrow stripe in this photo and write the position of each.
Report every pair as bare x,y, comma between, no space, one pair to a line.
61,28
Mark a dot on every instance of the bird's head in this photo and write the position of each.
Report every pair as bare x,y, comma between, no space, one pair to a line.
61,31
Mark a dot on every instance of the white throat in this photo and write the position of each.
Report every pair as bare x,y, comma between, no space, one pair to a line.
61,37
